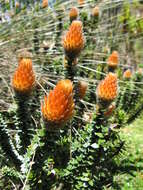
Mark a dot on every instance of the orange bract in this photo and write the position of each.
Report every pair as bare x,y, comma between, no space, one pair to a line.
127,74
113,59
45,3
73,14
24,78
73,41
58,107
107,88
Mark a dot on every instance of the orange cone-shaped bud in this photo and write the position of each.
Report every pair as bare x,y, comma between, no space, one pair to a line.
82,88
107,88
140,71
58,106
45,3
80,2
73,14
23,79
95,11
127,74
113,59
17,5
73,41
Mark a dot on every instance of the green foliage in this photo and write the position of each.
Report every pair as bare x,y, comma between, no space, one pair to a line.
129,166
92,155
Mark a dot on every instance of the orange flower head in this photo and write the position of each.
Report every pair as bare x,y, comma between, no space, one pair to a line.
140,71
45,3
80,2
23,79
107,88
95,11
82,88
127,74
73,14
113,59
17,5
73,41
58,106
110,110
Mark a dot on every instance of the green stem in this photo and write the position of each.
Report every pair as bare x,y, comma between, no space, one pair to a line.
7,144
24,124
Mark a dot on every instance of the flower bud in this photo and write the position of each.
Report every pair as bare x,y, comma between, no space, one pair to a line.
73,41
73,14
58,107
23,79
107,88
127,74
